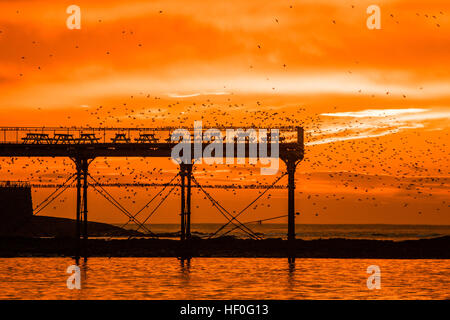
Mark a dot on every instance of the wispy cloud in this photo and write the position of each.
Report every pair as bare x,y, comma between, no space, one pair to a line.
372,123
374,113
218,93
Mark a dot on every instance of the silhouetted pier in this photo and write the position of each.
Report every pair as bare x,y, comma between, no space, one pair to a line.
83,145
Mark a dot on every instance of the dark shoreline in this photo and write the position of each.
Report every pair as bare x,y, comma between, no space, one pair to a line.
435,248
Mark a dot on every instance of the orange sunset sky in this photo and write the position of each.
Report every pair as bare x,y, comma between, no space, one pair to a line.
375,104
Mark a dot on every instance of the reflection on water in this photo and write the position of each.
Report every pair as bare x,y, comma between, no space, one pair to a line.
185,270
223,278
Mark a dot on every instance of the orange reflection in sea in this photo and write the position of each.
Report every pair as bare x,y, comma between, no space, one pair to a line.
223,278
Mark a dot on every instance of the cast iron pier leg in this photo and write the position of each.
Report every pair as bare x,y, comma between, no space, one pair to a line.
188,201
78,221
183,202
85,208
82,165
185,174
291,199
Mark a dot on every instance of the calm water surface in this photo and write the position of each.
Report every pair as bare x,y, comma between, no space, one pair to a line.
223,278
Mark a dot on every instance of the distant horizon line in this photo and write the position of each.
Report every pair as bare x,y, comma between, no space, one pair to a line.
300,224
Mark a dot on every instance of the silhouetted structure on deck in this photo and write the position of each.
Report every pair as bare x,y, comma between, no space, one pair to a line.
16,207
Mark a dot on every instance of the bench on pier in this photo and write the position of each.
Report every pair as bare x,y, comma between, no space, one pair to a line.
88,138
268,139
63,138
146,137
37,138
120,137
